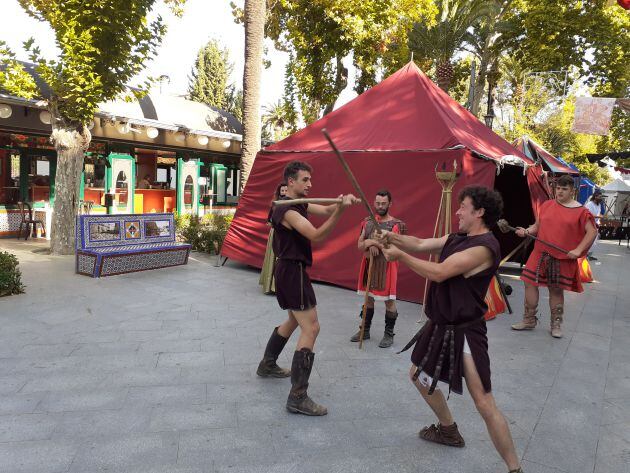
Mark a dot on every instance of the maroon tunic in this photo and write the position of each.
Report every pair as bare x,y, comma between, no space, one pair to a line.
455,308
294,290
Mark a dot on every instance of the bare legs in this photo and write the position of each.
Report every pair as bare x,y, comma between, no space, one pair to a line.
495,422
486,406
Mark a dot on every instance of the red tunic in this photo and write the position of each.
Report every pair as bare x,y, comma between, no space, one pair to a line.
564,227
382,286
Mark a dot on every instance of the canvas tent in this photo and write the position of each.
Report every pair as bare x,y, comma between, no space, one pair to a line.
393,136
617,195
537,153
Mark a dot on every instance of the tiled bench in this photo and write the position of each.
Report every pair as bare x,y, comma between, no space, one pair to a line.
116,244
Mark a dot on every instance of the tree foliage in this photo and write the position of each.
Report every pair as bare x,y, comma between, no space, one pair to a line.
321,33
103,44
548,35
437,44
208,81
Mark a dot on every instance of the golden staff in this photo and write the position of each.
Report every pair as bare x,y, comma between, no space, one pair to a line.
447,180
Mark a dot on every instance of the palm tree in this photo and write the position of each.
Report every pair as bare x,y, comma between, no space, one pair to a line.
275,120
254,18
440,42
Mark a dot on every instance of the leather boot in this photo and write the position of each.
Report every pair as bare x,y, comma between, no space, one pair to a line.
445,435
388,336
529,319
369,314
268,368
556,321
298,401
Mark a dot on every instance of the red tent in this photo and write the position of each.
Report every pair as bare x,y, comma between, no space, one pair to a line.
393,136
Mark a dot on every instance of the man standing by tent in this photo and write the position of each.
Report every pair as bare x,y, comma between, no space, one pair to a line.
565,223
384,274
454,343
293,234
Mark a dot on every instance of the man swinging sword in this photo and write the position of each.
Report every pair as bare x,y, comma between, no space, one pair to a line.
293,235
453,342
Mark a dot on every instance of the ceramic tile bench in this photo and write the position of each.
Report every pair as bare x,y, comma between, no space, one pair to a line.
107,245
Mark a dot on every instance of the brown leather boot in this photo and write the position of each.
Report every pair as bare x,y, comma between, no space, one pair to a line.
268,368
298,401
529,319
388,336
445,435
556,321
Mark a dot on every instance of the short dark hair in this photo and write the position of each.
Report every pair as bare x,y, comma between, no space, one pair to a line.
484,198
294,167
384,193
565,180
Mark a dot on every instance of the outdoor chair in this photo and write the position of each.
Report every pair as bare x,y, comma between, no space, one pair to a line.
26,213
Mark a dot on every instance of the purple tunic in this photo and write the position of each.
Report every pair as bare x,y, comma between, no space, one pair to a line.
455,309
294,290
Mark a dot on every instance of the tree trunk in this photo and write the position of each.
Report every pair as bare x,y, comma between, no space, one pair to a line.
341,81
255,11
480,84
70,143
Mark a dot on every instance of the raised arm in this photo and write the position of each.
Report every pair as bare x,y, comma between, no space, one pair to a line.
293,219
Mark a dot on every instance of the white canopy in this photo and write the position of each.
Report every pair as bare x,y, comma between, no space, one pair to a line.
616,186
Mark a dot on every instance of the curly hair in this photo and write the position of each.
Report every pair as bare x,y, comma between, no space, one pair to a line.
294,167
484,198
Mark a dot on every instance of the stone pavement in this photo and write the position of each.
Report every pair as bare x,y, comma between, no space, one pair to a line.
155,372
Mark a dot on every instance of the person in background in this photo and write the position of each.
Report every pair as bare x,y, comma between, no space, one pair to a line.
145,183
594,206
266,274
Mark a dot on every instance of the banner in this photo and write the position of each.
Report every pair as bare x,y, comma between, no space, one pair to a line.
593,115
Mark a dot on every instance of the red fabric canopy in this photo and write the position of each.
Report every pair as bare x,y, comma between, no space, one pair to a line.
536,152
392,136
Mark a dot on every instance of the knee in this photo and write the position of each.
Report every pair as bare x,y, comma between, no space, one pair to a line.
485,406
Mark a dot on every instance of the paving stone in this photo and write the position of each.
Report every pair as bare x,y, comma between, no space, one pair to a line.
62,401
160,395
24,427
126,452
36,457
200,417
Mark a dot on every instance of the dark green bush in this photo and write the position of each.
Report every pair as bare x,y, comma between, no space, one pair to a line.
204,234
10,275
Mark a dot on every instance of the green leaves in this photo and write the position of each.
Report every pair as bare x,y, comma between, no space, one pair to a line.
320,33
210,74
103,44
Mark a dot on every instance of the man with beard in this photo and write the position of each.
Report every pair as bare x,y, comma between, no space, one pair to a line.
454,343
293,234
594,206
384,274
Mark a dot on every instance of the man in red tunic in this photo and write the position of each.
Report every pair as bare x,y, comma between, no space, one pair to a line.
384,274
454,343
565,223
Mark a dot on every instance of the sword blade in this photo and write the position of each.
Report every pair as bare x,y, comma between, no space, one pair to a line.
350,175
